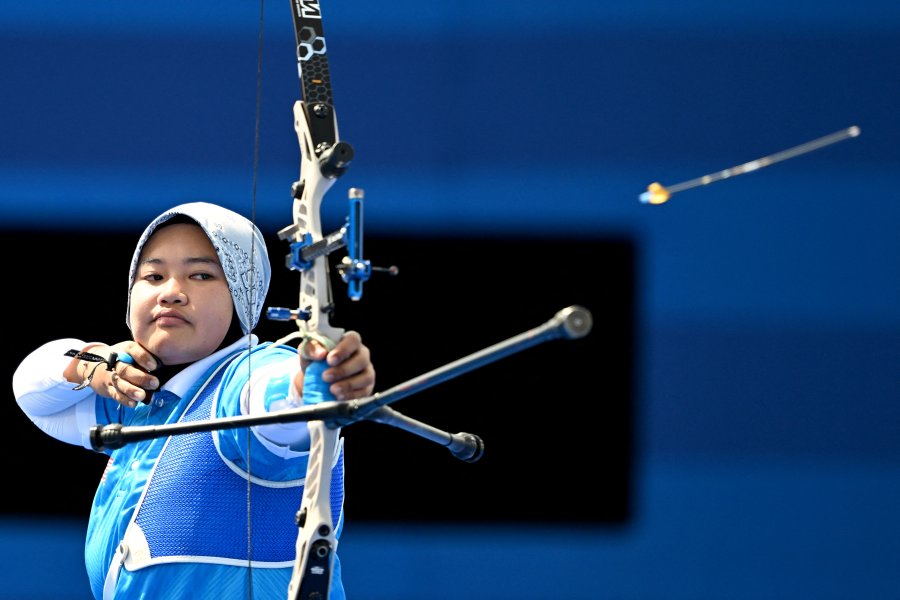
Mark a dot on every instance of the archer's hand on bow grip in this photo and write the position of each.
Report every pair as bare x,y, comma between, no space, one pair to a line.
344,372
313,362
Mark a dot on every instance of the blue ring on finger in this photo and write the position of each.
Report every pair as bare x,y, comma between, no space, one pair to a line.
125,358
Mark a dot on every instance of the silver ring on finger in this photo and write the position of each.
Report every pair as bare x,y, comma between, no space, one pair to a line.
115,382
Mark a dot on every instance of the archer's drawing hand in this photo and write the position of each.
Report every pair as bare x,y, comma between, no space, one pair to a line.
127,382
350,372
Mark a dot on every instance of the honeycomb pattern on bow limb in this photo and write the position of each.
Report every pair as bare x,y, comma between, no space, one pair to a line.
314,67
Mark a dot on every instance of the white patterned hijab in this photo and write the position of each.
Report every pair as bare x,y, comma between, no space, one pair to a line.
235,240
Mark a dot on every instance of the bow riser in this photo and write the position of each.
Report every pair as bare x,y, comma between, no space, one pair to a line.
316,540
315,288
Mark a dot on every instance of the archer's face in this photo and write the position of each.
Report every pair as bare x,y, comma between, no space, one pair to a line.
181,307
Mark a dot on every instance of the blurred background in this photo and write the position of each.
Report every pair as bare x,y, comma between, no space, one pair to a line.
729,429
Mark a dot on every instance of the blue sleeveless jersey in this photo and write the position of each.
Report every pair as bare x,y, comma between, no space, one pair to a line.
189,528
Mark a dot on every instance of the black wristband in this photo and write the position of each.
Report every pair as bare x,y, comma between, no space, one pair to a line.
89,357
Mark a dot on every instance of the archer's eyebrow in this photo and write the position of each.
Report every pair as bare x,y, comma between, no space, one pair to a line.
191,260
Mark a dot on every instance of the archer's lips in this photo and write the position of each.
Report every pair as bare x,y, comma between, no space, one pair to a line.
168,319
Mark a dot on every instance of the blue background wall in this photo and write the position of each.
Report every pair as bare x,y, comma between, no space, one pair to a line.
767,454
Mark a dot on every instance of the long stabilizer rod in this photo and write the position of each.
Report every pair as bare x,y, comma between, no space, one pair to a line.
569,323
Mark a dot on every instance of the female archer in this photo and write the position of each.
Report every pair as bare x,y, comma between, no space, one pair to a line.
201,515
